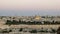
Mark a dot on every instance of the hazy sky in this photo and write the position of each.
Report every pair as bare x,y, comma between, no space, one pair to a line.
29,7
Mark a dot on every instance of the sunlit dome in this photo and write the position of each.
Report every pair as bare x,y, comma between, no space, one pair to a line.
37,17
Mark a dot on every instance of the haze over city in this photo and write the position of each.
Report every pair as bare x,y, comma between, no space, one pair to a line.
29,7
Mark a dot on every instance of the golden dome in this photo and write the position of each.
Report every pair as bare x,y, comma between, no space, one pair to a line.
37,17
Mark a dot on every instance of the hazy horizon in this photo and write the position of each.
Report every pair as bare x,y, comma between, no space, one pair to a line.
29,7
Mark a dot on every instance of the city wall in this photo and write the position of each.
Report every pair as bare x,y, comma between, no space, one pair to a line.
35,26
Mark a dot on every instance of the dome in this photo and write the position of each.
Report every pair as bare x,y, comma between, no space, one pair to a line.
37,17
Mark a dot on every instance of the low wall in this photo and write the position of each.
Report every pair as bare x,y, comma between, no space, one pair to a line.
35,26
